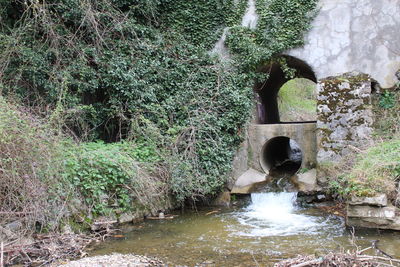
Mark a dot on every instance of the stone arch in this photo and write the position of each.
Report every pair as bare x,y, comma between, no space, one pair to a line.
267,91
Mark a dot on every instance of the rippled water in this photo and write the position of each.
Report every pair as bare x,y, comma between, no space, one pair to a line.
271,228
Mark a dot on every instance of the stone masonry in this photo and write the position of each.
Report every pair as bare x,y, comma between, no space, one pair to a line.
344,114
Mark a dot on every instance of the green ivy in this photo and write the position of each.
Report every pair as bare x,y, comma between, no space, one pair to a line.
387,100
202,22
141,71
106,174
281,26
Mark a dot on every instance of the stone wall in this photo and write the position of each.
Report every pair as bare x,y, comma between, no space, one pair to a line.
345,117
354,35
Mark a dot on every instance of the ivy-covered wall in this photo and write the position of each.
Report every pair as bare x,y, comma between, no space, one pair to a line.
141,70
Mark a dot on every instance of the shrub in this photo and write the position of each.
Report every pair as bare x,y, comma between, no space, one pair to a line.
110,178
29,170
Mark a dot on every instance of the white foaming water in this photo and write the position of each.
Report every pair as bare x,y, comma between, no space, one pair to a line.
274,214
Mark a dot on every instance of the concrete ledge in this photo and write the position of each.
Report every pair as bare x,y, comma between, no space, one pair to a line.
247,180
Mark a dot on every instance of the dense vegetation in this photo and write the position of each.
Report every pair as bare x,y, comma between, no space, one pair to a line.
138,76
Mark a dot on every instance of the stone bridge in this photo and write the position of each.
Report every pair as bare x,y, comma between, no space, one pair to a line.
357,36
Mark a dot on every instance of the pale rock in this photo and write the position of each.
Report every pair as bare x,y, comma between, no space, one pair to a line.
126,218
247,180
378,200
306,182
373,217
388,213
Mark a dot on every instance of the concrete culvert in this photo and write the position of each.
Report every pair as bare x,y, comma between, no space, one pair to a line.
281,155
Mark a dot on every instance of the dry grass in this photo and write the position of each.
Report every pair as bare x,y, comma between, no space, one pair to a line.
374,170
28,173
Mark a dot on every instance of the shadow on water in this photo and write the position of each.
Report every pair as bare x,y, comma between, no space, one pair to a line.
270,228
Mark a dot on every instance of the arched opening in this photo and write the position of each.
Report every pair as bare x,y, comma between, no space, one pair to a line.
281,155
267,91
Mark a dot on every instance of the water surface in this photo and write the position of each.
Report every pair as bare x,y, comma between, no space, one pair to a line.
270,229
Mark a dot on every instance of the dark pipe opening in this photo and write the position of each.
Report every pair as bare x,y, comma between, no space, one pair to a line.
281,155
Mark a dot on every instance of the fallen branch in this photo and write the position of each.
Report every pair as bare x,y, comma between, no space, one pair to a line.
105,222
308,263
340,259
368,257
49,248
166,217
212,212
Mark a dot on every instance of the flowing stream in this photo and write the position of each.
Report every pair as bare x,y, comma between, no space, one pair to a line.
275,214
271,227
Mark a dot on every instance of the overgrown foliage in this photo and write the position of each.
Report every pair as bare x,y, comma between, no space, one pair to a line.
31,188
387,114
110,178
141,71
281,26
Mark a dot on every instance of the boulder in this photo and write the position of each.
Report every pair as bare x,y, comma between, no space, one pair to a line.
103,222
127,217
306,182
374,223
223,199
388,213
246,181
373,217
378,200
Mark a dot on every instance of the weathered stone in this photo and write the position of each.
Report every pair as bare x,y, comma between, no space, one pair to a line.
379,200
103,222
14,226
345,116
375,223
306,182
223,199
373,217
6,233
126,218
246,181
388,213
343,38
